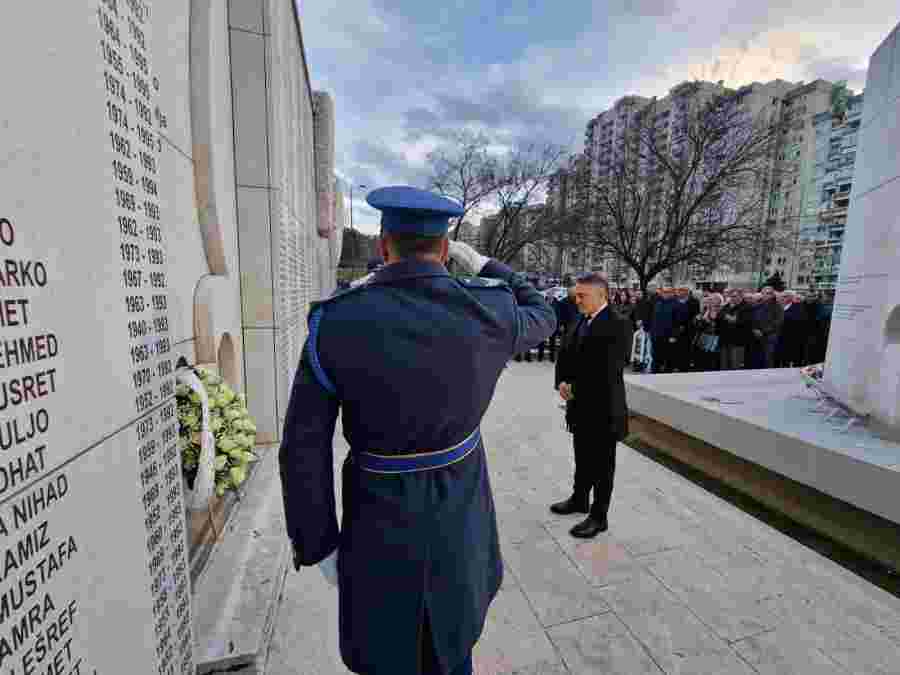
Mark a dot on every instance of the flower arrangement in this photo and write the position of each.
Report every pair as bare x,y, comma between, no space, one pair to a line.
812,375
229,423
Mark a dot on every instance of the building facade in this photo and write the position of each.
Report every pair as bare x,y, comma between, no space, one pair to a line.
790,201
793,196
822,235
180,207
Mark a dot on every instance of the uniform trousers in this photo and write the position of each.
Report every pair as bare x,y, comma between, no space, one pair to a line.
428,663
595,465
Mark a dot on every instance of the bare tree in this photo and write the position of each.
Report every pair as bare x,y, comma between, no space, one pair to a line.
465,171
695,200
520,187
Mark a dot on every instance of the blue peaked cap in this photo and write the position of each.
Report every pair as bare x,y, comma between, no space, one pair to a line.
408,210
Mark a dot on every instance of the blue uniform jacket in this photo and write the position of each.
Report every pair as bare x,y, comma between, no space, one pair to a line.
411,359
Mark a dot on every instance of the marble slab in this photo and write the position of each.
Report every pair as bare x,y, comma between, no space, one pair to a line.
770,421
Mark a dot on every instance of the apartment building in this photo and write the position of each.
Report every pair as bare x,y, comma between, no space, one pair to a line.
791,197
567,191
793,200
822,230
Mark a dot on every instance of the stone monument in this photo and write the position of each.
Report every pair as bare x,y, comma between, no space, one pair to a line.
158,201
92,522
863,362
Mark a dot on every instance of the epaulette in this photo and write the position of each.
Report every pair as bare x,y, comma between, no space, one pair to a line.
314,320
338,295
482,282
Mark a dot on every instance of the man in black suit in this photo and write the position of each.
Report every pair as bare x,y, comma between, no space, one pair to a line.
794,332
589,378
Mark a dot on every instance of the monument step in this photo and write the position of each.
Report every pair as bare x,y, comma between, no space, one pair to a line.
236,597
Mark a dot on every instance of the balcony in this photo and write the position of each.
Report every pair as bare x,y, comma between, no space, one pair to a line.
833,210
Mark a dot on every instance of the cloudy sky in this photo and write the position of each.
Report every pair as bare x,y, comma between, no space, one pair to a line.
403,72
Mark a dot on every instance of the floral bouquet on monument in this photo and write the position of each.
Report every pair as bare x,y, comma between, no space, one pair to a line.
812,375
231,427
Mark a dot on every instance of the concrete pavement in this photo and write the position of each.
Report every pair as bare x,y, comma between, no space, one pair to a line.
682,584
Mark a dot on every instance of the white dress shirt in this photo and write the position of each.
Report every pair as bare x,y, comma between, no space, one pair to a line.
602,307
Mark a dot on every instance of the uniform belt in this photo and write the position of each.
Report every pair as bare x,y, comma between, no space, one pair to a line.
420,461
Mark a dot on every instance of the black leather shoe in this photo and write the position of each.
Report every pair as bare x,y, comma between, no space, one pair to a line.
569,506
589,527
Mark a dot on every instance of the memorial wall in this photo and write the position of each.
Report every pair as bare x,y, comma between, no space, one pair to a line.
863,362
159,199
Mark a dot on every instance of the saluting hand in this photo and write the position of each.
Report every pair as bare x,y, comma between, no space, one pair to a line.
470,259
565,391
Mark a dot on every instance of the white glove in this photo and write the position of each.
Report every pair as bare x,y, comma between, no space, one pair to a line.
468,257
362,280
328,567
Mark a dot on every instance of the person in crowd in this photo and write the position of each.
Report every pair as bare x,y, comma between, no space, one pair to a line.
823,327
795,331
589,379
566,314
550,345
812,303
734,325
626,309
634,302
417,559
707,354
643,313
767,319
688,309
640,313
665,329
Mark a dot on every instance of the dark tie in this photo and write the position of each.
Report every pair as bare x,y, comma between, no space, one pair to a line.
582,328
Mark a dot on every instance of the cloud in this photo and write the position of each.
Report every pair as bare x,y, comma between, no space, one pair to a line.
654,8
404,77
839,69
504,113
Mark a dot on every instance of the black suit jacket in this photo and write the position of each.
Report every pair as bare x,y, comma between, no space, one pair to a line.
594,365
796,325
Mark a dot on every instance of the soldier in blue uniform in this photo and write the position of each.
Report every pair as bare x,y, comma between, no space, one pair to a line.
411,358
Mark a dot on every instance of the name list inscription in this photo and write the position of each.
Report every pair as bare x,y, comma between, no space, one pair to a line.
133,124
40,615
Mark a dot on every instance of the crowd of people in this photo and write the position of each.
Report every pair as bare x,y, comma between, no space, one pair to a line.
686,331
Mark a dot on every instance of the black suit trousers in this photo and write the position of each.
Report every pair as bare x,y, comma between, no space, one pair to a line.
595,465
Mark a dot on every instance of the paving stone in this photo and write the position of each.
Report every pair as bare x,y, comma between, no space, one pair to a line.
865,650
668,500
730,615
305,639
709,663
602,560
683,571
513,638
787,649
557,591
856,644
509,577
686,582
601,644
671,633
542,668
653,534
514,529
642,593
